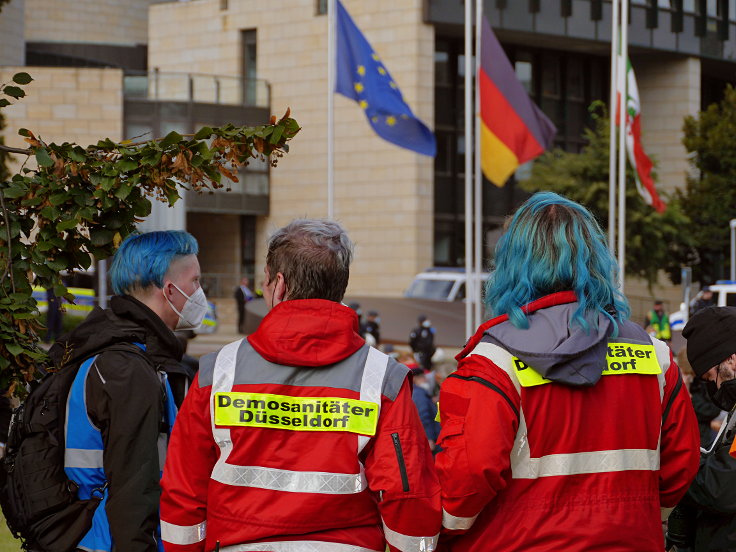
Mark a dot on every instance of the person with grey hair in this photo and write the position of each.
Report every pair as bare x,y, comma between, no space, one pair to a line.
301,436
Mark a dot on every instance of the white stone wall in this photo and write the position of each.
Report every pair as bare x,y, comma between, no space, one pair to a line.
383,194
64,104
670,90
12,46
119,22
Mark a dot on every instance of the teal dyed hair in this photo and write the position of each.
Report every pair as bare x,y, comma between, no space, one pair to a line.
144,259
553,244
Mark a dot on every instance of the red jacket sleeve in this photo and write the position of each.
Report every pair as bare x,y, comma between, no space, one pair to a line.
680,445
400,469
187,474
474,461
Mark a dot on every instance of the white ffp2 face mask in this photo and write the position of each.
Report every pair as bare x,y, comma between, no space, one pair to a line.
194,311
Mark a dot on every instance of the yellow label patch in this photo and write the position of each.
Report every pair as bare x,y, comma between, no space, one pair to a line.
622,358
296,413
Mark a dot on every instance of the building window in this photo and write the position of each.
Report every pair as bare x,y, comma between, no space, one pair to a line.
321,7
250,66
223,5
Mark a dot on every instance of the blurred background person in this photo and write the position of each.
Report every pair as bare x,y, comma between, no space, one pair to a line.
421,341
242,295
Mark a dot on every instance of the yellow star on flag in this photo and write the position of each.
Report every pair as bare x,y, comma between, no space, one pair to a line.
392,84
382,70
359,87
391,120
363,104
374,119
361,70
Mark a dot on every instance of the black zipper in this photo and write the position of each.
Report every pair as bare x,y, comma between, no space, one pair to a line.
402,464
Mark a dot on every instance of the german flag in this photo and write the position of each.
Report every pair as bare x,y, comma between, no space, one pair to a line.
512,129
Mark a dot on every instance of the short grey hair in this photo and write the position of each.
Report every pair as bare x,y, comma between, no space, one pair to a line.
314,257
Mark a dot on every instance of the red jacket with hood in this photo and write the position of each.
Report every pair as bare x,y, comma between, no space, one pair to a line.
302,349
581,460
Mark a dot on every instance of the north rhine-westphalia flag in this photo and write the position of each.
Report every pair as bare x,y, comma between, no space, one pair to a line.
512,129
635,151
362,76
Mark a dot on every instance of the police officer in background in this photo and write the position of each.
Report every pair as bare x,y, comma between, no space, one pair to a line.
421,341
301,436
705,520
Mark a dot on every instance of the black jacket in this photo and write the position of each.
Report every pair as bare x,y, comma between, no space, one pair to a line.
713,497
125,399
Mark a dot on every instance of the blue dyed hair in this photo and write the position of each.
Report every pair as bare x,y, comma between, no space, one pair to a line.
144,259
553,244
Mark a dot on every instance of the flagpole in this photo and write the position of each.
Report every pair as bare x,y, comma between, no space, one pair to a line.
622,142
612,129
478,261
469,280
331,18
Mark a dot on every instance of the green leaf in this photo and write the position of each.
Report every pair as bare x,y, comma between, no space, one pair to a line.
203,133
57,265
125,165
58,198
22,78
276,136
43,158
152,159
107,182
66,224
4,102
123,191
77,154
18,189
14,349
171,138
142,208
24,132
101,237
14,92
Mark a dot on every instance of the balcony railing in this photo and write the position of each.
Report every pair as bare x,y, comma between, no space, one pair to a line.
197,87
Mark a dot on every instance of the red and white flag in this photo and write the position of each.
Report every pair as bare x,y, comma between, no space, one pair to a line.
639,160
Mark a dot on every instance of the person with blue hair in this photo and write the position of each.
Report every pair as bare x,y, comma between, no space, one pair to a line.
121,407
565,426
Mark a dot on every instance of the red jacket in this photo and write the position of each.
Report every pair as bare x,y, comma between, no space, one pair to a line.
276,484
581,460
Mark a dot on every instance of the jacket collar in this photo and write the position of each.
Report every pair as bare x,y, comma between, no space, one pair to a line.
559,298
307,332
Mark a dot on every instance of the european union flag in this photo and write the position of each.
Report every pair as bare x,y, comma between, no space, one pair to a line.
362,77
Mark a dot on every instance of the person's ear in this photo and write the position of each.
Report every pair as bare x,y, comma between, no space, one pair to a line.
280,291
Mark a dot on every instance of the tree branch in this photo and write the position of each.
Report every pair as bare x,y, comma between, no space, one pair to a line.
9,267
3,147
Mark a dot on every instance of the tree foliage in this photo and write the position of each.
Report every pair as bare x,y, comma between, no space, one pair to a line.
651,238
79,203
709,198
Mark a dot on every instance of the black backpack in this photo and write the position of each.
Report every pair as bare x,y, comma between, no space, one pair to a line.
38,500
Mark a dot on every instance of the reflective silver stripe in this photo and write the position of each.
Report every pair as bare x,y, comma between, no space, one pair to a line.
183,534
405,543
523,466
82,458
371,385
603,461
290,481
222,382
457,523
296,546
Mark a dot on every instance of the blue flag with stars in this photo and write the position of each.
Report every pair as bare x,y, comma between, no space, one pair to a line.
361,76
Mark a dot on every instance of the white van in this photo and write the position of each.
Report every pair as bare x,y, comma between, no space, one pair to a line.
440,284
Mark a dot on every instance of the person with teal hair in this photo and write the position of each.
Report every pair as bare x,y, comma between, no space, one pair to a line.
121,407
565,426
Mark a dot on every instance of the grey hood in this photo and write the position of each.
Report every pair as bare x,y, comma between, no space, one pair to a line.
555,350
